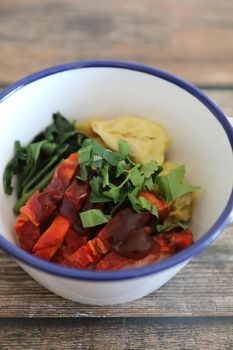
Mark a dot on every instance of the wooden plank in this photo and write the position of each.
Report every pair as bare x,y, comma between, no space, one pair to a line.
137,334
203,288
190,38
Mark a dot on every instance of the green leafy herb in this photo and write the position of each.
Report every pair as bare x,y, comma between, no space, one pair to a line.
148,206
111,157
172,186
113,177
122,167
38,187
83,174
122,198
99,198
96,183
141,204
136,177
113,193
84,154
105,174
148,184
123,148
116,179
35,163
150,168
93,217
55,130
48,147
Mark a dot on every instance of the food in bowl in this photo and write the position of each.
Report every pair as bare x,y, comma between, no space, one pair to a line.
112,203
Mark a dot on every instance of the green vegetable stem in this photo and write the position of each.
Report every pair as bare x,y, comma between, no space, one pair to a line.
34,164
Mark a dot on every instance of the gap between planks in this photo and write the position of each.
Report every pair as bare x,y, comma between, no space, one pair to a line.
125,333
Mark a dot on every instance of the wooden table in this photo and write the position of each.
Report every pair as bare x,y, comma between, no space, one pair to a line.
192,38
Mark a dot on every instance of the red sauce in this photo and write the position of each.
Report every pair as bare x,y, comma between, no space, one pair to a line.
138,245
126,235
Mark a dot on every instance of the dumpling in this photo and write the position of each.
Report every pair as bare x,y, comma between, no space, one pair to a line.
181,209
86,128
147,139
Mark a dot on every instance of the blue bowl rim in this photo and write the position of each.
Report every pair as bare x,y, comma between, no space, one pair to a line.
223,220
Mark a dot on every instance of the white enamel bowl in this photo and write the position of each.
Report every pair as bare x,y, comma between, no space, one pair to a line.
202,138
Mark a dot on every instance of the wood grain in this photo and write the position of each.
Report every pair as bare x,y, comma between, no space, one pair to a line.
224,100
152,333
190,38
203,288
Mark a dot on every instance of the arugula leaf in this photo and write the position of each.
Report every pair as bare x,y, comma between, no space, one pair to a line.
93,217
172,186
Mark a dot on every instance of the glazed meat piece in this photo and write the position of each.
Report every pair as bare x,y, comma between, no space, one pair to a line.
62,177
52,238
27,233
39,208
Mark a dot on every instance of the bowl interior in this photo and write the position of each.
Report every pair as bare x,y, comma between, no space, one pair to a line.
198,138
